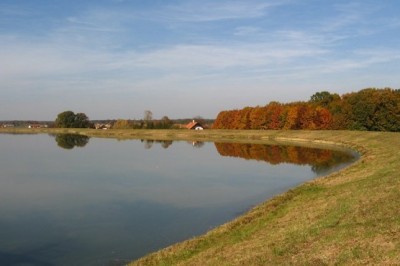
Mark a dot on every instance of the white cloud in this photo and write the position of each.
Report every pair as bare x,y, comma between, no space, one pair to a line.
215,57
247,30
203,11
78,24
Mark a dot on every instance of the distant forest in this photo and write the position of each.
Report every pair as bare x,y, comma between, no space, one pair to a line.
369,109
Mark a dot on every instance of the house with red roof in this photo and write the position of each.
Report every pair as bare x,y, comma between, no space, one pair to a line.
194,125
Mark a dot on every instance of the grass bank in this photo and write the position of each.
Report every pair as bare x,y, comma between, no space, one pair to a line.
349,217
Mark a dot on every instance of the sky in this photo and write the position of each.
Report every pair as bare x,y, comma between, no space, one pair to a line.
115,59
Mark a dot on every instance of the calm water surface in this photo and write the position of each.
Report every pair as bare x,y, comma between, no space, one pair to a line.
75,201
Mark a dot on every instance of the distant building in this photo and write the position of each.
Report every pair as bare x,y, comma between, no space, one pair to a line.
194,125
8,125
102,126
38,126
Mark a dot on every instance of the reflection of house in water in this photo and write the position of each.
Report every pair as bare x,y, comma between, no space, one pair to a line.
194,125
197,144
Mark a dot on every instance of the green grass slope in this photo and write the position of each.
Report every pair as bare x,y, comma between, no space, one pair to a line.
349,217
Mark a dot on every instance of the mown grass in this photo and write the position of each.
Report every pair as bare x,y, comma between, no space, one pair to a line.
349,217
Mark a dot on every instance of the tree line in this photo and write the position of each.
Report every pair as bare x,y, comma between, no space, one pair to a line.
163,123
368,109
69,119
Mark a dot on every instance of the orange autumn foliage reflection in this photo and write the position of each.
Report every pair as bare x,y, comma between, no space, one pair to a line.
320,160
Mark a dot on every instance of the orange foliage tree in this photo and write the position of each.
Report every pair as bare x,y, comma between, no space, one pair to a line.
368,109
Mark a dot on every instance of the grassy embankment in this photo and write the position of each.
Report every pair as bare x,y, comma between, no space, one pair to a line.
349,217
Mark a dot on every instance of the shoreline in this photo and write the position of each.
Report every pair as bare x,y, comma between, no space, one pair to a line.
347,217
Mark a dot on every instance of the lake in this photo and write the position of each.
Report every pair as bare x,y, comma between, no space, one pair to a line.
70,200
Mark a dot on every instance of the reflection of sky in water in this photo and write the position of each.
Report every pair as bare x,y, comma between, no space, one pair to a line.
117,200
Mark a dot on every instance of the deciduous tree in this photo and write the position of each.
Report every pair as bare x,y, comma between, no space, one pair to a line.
69,119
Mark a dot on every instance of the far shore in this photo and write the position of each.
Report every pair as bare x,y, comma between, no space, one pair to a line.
247,136
348,217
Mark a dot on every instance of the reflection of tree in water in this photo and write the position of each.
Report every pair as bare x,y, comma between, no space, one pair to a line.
320,160
149,143
337,158
69,141
166,143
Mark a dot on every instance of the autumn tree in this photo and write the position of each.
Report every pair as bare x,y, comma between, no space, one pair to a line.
324,118
245,121
373,109
274,112
387,110
257,118
221,120
291,117
368,109
122,124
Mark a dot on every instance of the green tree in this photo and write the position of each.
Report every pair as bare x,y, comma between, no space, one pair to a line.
65,119
69,119
324,98
387,110
165,122
81,121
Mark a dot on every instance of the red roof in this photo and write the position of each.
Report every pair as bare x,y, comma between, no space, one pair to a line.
193,124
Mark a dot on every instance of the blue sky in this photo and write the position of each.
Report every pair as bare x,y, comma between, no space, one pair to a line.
118,58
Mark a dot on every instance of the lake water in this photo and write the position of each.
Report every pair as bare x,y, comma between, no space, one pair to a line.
74,201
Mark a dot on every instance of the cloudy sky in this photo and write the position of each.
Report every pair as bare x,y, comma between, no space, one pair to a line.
186,58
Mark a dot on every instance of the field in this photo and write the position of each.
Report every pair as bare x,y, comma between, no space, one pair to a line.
349,217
